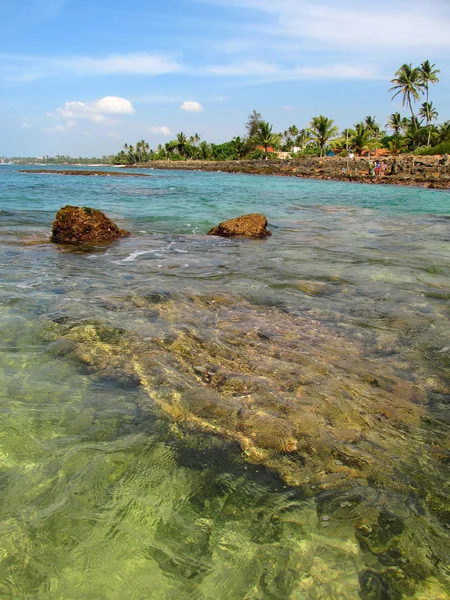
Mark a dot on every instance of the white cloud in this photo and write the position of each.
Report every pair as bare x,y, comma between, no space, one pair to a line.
96,111
25,125
191,106
162,130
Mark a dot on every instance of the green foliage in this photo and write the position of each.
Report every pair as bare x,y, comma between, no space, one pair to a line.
408,82
442,148
252,125
225,151
257,154
264,136
322,130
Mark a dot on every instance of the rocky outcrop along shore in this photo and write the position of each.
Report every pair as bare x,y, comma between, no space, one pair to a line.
84,225
253,225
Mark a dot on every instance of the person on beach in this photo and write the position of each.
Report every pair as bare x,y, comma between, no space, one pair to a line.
394,167
377,168
383,168
371,168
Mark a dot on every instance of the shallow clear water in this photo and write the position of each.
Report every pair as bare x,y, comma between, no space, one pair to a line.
193,417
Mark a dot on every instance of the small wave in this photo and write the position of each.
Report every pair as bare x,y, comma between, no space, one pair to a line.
135,255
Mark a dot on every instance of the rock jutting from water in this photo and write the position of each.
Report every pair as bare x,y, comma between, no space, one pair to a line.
83,225
253,225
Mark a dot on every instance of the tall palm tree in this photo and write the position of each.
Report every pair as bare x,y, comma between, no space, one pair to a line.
264,136
428,75
322,130
429,113
395,122
408,82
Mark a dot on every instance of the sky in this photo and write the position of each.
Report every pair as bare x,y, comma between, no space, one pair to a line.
82,77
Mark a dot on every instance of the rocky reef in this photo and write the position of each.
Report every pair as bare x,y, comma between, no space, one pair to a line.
83,225
423,171
83,173
253,225
301,399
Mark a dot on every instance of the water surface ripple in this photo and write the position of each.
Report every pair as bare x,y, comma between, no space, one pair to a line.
188,417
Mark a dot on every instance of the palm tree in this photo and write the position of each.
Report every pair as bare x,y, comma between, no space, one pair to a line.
428,74
204,150
182,143
408,82
131,154
429,113
395,123
240,146
303,138
371,123
289,135
361,137
444,132
322,130
264,136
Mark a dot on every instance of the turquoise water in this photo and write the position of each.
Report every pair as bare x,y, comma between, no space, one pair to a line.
193,417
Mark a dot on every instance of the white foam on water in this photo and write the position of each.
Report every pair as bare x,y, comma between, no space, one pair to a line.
135,255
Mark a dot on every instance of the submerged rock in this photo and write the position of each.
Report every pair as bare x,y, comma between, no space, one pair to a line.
83,225
253,225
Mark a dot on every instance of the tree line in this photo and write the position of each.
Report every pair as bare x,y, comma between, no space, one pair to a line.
417,132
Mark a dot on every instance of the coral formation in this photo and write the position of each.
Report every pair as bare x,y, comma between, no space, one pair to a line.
83,225
253,225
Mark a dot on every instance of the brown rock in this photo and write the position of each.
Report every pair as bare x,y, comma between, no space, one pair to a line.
75,225
253,225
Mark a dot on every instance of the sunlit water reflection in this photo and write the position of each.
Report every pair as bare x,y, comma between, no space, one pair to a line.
193,417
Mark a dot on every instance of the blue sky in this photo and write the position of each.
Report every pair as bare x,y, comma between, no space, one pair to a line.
81,77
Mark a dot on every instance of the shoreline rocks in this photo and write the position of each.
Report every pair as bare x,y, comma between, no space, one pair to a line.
84,225
252,225
83,173
412,171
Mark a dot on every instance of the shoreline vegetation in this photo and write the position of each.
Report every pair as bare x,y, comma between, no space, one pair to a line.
413,151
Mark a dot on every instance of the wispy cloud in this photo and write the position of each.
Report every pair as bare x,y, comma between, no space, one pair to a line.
276,72
24,68
354,26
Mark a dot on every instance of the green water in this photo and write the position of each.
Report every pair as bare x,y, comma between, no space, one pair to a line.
195,418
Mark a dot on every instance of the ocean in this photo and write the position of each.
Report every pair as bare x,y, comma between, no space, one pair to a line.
190,417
